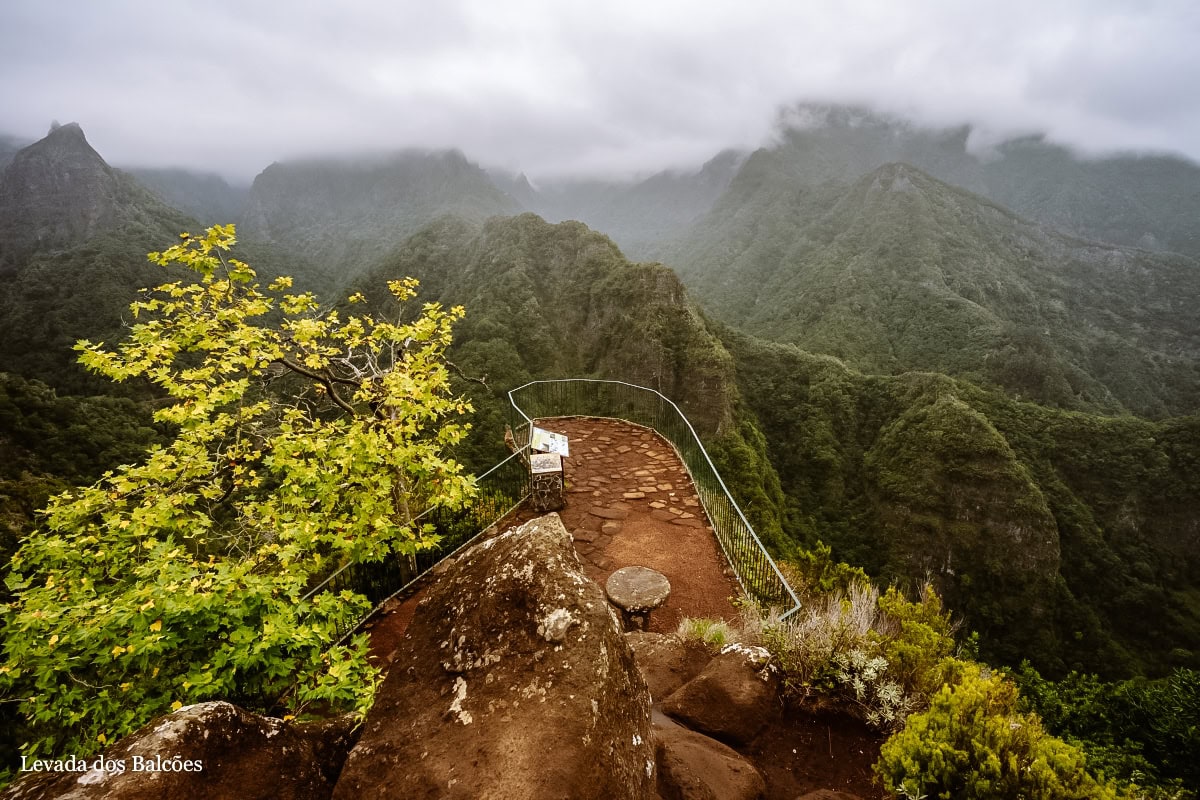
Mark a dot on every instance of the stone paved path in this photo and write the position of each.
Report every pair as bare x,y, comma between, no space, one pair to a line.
629,502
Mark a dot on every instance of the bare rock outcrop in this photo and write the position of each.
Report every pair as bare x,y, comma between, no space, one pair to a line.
209,751
691,766
514,681
732,698
666,661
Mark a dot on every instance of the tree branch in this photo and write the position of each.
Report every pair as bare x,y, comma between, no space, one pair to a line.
482,381
326,380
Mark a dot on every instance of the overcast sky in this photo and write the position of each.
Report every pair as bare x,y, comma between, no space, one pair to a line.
563,87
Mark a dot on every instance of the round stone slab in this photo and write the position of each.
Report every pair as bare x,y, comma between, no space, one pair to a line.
637,589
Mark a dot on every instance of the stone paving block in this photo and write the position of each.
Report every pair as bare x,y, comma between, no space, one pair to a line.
608,513
633,495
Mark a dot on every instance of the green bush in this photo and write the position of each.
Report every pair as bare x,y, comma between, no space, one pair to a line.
973,742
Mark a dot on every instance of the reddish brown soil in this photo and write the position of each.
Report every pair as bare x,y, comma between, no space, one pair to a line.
800,752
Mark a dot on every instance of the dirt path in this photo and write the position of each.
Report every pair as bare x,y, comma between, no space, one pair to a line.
629,502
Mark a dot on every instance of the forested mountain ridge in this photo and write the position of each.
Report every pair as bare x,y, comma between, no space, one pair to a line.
58,193
1055,534
899,271
552,301
338,216
1135,200
203,195
74,234
1065,538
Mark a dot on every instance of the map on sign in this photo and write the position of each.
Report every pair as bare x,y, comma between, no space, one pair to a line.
544,441
540,463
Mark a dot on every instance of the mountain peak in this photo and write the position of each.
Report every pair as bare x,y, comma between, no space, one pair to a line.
898,177
70,129
59,192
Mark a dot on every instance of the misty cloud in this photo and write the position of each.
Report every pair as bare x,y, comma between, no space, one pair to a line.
558,88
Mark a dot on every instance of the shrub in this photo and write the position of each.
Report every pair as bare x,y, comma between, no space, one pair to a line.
974,743
713,633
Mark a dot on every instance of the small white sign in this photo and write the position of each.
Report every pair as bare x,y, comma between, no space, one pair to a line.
544,441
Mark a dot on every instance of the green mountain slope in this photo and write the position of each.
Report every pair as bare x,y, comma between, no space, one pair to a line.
337,217
552,301
205,196
74,234
900,271
58,193
1148,201
1069,539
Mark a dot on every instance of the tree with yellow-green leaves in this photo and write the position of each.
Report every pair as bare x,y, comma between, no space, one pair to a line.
306,438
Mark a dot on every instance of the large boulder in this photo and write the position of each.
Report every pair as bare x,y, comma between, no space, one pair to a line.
209,751
732,698
513,681
666,661
691,766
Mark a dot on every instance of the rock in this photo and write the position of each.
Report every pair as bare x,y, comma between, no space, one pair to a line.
692,766
732,698
608,512
225,752
514,681
637,591
666,662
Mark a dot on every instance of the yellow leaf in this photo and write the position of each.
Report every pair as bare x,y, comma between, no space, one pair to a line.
146,606
156,625
102,739
116,651
288,717
176,705
54,640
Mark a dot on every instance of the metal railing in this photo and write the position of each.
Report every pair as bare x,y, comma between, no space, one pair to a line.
499,490
756,571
